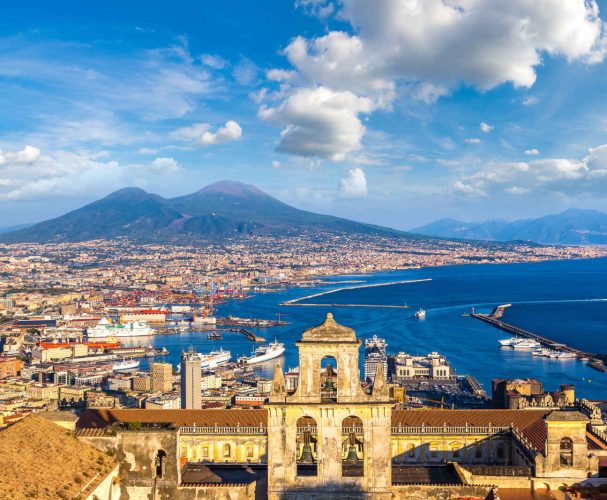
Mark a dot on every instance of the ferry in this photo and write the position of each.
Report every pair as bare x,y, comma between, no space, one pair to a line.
526,344
421,314
263,353
105,328
214,359
509,342
126,364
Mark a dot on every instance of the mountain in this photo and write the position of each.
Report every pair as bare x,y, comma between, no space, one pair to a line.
220,210
571,227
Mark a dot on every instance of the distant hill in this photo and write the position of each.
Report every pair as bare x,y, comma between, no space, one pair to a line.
220,210
571,227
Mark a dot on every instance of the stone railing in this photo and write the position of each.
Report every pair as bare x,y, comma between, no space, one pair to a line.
193,430
448,429
529,451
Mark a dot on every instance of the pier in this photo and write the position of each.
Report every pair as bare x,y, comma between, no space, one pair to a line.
297,302
247,333
494,319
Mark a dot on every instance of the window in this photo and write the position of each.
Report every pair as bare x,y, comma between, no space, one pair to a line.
250,453
227,451
566,451
433,450
306,446
411,452
500,451
159,463
205,452
478,452
353,449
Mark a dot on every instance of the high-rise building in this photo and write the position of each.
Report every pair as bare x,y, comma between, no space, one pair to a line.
190,381
162,377
375,353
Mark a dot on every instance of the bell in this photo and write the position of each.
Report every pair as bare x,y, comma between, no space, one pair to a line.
352,457
329,386
306,455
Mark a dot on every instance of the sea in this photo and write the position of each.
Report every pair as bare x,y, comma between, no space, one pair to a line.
563,300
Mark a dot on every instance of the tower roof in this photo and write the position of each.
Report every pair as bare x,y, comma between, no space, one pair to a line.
329,331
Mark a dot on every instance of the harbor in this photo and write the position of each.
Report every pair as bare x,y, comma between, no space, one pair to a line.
494,318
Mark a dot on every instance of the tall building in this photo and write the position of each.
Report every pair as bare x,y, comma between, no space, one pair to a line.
191,381
162,377
375,353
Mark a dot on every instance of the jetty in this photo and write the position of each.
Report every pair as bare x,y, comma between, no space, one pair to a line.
494,319
298,301
247,333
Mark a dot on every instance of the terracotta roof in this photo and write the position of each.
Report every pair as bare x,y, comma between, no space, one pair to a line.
529,422
39,459
100,418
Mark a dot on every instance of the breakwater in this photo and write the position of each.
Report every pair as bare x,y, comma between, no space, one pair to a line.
298,301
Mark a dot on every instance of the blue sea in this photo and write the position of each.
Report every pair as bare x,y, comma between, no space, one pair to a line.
562,300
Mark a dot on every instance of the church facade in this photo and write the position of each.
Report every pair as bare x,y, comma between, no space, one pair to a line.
330,438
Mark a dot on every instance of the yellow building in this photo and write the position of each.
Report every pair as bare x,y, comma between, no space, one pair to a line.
162,376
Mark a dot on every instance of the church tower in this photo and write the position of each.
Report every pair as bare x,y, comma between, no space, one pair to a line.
329,438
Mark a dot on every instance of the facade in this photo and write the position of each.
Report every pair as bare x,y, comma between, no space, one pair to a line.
332,438
375,353
519,394
162,377
433,366
190,381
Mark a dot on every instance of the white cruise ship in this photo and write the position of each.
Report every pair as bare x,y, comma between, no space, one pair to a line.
126,364
509,342
527,344
263,353
214,359
105,328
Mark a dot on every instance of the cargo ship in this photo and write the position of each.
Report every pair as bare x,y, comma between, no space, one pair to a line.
263,353
105,328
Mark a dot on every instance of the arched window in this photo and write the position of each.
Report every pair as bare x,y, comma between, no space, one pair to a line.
159,463
307,451
411,451
500,451
227,451
353,450
328,379
566,451
455,450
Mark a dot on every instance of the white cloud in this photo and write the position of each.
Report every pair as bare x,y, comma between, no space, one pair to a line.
29,154
280,75
318,8
213,61
246,72
231,131
200,133
5,182
529,100
472,140
275,164
354,184
485,127
164,165
532,152
319,122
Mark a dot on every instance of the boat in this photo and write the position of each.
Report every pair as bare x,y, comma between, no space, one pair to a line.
105,328
509,342
566,355
421,314
526,344
126,364
263,353
214,359
214,336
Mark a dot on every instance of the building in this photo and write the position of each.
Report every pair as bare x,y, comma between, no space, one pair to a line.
375,353
433,366
164,402
528,393
190,380
333,438
162,377
10,366
210,380
142,382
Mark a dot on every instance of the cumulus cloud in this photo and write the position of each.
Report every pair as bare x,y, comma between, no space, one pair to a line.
485,127
319,122
29,154
280,75
164,165
200,133
564,176
354,184
532,152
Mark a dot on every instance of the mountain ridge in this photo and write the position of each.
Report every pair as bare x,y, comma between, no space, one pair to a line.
220,210
573,226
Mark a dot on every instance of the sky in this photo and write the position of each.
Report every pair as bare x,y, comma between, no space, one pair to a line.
395,112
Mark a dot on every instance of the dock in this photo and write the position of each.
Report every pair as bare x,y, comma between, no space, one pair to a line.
494,319
247,333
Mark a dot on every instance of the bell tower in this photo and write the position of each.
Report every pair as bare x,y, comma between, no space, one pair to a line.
329,437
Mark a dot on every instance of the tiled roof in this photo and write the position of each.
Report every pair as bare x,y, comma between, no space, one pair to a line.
39,459
529,422
100,418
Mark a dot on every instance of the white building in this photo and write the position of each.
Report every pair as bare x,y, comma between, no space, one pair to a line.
433,366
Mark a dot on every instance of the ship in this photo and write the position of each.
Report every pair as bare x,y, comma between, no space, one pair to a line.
526,344
214,359
263,353
509,342
105,328
421,314
126,364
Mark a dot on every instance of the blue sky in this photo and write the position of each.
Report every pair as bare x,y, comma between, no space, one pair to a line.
395,112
